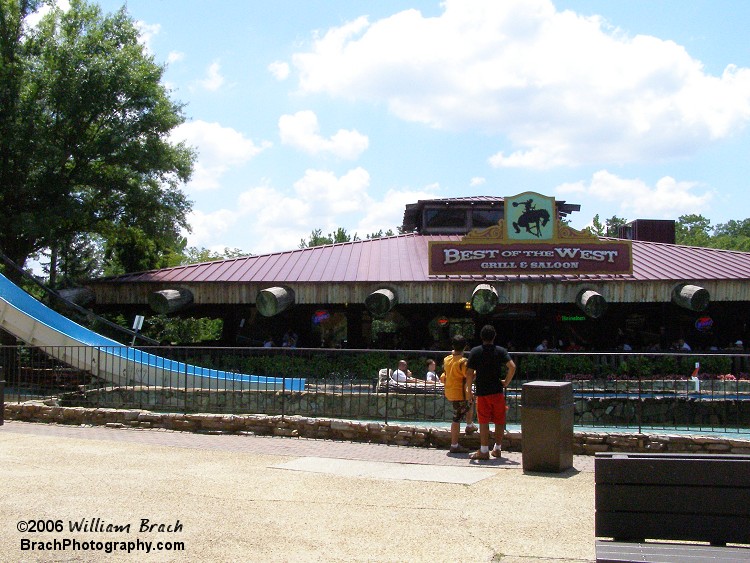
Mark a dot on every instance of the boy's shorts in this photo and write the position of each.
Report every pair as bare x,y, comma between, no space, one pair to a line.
460,408
491,408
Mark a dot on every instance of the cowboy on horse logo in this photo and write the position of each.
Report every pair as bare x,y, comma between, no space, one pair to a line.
530,216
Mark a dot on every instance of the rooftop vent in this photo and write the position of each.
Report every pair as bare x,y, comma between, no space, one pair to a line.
650,230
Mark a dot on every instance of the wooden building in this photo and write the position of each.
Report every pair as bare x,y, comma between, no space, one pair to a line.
462,263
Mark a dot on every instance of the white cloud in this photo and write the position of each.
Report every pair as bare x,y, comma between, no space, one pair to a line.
209,226
214,80
34,18
538,158
477,181
301,130
561,89
146,32
175,56
334,195
635,199
279,70
276,220
219,149
388,213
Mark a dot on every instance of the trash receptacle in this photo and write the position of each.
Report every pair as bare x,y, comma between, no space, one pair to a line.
547,426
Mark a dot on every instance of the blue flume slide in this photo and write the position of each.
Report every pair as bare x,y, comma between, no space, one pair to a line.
31,321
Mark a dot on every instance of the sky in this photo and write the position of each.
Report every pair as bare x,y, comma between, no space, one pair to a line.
319,114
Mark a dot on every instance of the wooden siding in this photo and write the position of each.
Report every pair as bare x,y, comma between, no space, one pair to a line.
437,292
349,272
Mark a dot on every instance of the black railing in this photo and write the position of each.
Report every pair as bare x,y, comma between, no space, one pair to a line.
618,390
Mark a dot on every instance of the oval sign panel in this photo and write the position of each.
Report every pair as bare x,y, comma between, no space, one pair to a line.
704,324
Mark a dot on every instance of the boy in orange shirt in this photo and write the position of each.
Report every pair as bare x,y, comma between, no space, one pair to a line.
454,376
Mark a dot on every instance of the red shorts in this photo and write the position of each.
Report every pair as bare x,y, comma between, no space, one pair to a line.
491,408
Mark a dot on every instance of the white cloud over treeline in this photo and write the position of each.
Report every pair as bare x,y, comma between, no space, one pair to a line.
559,89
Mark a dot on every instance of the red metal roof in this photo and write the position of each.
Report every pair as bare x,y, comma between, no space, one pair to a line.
403,258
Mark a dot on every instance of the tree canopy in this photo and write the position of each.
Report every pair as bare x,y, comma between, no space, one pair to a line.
696,230
691,230
317,238
610,228
84,138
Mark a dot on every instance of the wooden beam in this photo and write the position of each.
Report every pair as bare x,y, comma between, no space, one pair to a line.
82,296
591,303
692,297
484,299
168,301
380,301
273,300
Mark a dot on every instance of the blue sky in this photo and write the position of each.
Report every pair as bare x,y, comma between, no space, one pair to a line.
318,114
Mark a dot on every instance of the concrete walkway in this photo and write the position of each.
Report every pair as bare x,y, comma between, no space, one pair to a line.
253,498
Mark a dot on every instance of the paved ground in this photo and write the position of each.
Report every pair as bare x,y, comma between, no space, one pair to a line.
252,498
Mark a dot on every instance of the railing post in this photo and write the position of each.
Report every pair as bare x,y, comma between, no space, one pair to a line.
2,397
185,407
639,407
283,397
386,399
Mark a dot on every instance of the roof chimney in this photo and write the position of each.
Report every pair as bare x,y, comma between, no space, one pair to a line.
650,230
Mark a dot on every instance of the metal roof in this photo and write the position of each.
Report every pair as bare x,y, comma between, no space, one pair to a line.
404,259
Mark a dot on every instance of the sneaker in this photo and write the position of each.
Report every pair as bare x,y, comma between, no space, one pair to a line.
479,455
458,450
497,453
470,428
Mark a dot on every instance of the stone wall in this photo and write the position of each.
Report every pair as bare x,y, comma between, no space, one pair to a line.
676,410
585,443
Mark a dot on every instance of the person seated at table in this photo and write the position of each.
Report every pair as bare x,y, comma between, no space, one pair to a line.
431,376
403,375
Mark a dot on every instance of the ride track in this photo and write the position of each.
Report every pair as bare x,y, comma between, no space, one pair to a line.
34,323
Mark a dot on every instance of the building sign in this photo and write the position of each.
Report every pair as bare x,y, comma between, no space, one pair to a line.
570,318
530,216
530,241
319,316
704,324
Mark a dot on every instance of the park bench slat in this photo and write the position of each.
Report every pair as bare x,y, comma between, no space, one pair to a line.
687,500
641,526
621,552
675,469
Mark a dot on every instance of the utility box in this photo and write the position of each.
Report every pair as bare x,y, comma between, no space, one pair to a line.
547,426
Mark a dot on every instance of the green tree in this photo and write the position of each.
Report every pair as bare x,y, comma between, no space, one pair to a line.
610,228
596,226
733,235
381,234
78,259
183,331
195,255
318,239
84,138
693,230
